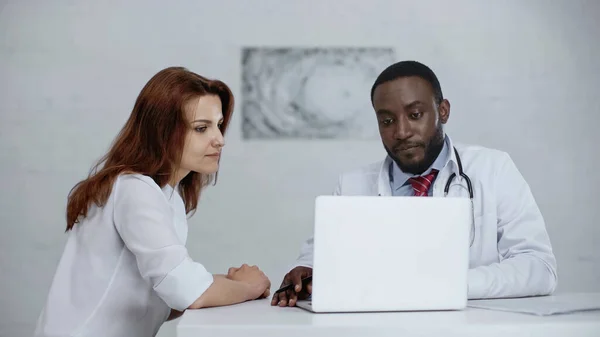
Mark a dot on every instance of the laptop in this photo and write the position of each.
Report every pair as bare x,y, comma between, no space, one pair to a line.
375,254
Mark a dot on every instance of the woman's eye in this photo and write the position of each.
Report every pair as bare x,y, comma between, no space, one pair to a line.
200,129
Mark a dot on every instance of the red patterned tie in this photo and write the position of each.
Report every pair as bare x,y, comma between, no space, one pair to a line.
421,184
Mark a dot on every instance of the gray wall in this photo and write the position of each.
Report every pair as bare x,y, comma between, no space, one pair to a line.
522,76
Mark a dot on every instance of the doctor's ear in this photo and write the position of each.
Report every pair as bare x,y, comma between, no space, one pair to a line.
444,111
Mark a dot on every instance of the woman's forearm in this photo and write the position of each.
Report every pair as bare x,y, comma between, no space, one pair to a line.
222,292
175,314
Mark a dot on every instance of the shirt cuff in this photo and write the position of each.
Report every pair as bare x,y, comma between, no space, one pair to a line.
302,263
476,284
184,284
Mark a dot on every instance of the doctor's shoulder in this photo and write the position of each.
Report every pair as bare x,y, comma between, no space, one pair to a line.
481,160
358,180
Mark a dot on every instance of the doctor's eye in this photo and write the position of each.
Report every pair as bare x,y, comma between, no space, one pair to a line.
387,121
416,115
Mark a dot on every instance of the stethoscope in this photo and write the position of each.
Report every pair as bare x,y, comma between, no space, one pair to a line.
469,187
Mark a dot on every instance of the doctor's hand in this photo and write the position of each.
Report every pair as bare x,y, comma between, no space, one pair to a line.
257,280
291,296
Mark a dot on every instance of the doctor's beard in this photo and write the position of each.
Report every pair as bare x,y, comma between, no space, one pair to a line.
432,150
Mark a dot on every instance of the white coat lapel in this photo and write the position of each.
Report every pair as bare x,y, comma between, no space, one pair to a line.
383,180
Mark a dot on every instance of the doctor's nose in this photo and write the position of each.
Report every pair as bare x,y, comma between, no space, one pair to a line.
403,130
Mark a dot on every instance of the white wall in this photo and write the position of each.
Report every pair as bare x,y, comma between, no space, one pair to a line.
521,76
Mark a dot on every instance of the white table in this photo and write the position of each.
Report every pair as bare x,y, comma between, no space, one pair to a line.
259,318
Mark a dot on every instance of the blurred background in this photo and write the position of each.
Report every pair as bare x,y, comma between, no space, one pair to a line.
521,76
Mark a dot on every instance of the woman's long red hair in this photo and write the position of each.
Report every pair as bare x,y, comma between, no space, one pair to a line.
152,140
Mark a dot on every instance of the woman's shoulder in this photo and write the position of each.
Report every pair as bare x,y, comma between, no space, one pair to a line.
136,179
138,186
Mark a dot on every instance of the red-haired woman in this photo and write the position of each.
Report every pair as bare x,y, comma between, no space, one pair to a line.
125,269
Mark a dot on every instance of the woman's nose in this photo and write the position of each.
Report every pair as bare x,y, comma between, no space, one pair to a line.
219,141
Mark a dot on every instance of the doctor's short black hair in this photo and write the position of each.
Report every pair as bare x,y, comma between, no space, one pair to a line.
406,69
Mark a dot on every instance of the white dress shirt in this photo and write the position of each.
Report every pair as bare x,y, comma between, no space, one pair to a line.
511,255
124,266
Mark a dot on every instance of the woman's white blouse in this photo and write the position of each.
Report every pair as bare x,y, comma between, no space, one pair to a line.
124,266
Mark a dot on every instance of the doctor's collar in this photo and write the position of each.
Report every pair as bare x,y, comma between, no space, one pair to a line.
399,178
452,157
387,169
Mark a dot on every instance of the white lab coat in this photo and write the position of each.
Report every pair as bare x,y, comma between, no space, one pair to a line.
511,255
